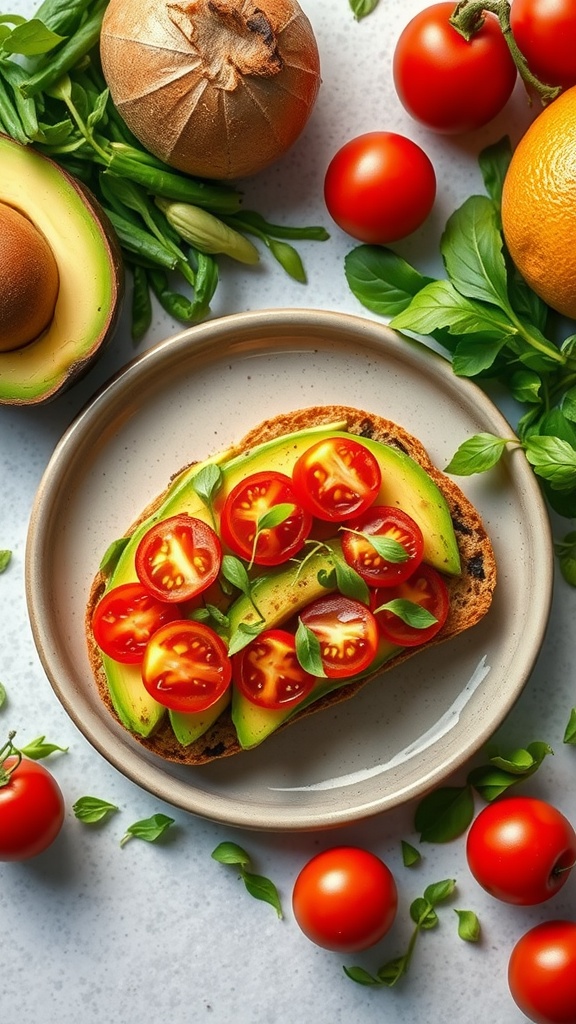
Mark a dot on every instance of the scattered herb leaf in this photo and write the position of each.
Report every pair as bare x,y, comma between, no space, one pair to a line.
112,554
308,650
5,558
91,809
362,8
410,855
38,749
468,925
258,886
570,731
148,829
3,695
566,552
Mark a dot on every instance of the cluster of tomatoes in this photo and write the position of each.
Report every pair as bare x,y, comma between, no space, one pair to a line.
265,520
381,186
519,849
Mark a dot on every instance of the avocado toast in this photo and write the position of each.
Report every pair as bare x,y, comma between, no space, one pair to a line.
455,545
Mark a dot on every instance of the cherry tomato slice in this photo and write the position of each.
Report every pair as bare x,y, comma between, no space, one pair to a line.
246,505
125,619
268,672
186,666
347,631
178,558
426,588
337,478
391,524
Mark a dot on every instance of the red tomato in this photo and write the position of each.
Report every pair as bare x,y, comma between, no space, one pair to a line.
268,672
448,84
521,850
178,558
336,478
391,524
246,505
125,619
347,632
545,31
542,973
345,899
424,587
186,666
31,809
379,187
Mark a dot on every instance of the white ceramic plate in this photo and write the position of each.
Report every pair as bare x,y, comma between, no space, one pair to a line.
193,395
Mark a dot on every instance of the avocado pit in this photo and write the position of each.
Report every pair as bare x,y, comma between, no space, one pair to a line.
29,283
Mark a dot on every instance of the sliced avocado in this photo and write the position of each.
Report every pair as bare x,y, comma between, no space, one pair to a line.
284,591
190,727
89,269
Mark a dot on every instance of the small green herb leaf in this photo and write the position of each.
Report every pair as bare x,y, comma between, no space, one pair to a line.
5,558
382,281
444,814
236,573
112,555
362,8
494,161
275,516
553,459
566,552
308,650
570,731
208,482
258,886
231,853
410,855
2,695
244,634
148,829
361,976
413,614
468,925
476,455
90,809
389,549
31,39
349,583
38,749
438,892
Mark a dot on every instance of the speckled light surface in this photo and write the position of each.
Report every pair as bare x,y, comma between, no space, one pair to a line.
96,932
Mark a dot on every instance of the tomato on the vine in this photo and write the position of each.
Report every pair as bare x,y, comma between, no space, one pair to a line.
542,973
425,588
268,673
521,850
31,806
447,83
186,666
125,618
379,187
336,478
178,558
345,899
247,520
388,524
346,631
545,31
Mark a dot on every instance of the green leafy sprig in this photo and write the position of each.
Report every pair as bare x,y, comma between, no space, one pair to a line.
258,886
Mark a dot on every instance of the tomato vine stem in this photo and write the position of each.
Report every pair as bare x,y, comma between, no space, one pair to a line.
7,751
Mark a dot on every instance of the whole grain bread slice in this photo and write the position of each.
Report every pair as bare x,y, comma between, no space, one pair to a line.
470,592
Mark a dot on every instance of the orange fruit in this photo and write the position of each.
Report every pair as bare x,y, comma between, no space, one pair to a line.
539,205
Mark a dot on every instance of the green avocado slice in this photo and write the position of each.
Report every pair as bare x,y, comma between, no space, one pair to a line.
90,276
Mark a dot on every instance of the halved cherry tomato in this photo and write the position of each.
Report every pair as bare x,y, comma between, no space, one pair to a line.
244,509
268,673
426,588
178,558
125,619
390,524
337,478
186,666
347,632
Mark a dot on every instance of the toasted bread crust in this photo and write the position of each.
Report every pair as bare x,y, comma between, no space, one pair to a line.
470,593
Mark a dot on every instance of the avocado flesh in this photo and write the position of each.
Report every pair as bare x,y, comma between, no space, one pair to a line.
404,484
90,276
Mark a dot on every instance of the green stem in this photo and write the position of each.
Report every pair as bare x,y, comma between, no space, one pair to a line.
7,751
468,18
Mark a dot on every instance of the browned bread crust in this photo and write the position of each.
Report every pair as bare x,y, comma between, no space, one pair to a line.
470,593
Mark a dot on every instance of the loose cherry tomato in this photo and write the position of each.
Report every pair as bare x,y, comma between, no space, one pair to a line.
347,632
448,84
178,558
125,619
545,31
244,509
31,807
521,850
345,899
380,187
336,478
390,524
542,973
424,587
268,673
186,666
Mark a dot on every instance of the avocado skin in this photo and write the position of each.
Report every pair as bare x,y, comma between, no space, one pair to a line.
91,273
405,484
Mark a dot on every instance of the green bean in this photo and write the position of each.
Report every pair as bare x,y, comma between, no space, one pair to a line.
254,223
178,306
9,116
142,243
65,58
171,185
14,75
141,303
62,16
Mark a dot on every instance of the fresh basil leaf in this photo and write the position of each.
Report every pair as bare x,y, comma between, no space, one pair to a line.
471,247
478,353
148,829
308,650
349,582
362,8
275,516
262,888
529,307
438,892
444,814
566,552
476,455
382,281
553,459
569,404
412,614
236,573
570,731
522,761
468,925
389,549
91,809
327,579
439,305
31,39
5,559
112,554
393,970
494,161
410,855
360,976
231,853
491,782
98,110
525,386
423,913
245,633
38,749
3,695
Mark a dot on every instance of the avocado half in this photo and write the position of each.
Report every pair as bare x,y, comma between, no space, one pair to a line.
90,269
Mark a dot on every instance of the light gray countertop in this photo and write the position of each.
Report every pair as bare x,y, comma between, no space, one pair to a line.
95,932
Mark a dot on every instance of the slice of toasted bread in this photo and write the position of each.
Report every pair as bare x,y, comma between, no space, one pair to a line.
470,592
